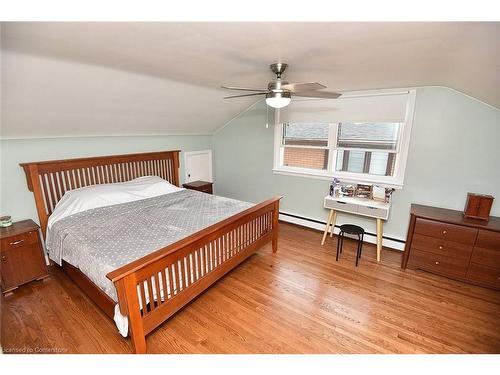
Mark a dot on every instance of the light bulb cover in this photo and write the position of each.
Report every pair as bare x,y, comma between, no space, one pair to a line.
278,99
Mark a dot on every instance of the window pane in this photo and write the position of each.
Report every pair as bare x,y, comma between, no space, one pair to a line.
340,159
369,162
378,136
356,161
378,163
302,134
312,158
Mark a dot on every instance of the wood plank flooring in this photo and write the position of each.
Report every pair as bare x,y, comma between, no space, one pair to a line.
297,301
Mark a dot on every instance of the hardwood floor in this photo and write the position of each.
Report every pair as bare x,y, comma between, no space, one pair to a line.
297,301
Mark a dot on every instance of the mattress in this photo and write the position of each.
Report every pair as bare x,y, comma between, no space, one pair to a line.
100,240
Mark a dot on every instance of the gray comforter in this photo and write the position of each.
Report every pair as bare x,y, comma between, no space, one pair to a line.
103,239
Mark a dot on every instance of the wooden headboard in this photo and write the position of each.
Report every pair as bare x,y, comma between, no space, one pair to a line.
49,180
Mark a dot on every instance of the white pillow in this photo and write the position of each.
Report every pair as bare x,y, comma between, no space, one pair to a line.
90,197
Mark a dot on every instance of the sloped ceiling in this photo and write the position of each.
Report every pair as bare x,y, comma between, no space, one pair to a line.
164,78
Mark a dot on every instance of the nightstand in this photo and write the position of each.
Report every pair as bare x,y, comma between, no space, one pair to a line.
203,186
21,252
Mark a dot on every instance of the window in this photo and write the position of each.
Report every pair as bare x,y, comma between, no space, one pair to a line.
368,148
305,146
369,152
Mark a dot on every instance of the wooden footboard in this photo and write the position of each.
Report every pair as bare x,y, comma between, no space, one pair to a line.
153,288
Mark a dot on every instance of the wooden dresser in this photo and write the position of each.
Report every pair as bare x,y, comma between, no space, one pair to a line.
446,243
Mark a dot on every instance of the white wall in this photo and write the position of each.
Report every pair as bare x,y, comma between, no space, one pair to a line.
454,150
46,97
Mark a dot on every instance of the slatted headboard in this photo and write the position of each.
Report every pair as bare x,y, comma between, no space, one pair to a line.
49,180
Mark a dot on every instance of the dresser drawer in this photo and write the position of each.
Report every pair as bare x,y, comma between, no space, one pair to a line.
445,231
487,239
19,240
440,246
341,206
486,257
484,275
441,264
378,212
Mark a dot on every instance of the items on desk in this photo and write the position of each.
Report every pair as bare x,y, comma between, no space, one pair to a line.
348,191
364,191
335,188
388,194
374,192
378,193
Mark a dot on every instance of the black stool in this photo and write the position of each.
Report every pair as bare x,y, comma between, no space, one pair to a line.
351,229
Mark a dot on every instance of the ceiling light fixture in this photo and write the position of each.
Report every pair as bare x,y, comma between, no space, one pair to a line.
278,99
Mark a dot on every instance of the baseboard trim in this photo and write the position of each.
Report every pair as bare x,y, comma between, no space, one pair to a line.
389,242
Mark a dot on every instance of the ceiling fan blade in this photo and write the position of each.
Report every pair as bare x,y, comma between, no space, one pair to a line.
305,86
243,88
240,96
318,94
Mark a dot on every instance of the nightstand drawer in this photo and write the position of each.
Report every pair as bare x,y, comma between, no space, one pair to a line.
19,240
22,265
207,190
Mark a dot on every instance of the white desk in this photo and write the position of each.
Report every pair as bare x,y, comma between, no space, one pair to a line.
358,206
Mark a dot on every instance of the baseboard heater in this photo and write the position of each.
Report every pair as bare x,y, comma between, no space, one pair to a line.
338,226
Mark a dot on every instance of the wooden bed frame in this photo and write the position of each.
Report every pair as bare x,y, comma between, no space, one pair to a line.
211,252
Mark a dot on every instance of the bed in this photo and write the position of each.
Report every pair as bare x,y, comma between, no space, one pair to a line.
150,289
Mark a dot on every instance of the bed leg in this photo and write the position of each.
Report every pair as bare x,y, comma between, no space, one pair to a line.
136,327
139,342
276,213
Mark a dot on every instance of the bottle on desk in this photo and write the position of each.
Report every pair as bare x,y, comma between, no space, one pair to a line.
335,188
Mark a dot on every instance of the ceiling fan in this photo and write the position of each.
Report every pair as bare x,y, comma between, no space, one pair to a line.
279,93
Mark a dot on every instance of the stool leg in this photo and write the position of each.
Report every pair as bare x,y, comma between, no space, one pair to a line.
341,242
338,245
361,247
357,251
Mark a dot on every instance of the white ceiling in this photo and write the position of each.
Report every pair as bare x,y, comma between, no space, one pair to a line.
171,72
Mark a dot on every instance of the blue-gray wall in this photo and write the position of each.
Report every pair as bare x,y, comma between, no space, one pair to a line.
18,202
454,150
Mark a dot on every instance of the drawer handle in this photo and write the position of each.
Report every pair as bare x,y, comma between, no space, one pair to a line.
437,262
440,247
444,232
16,242
4,259
341,202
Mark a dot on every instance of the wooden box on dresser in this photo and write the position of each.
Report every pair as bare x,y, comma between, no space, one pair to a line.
445,242
22,258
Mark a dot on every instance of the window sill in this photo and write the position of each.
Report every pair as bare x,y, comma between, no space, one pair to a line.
318,175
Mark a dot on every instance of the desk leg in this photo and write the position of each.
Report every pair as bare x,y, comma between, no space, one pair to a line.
334,220
327,226
379,238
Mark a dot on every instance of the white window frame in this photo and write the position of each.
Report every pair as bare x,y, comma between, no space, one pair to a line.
395,181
